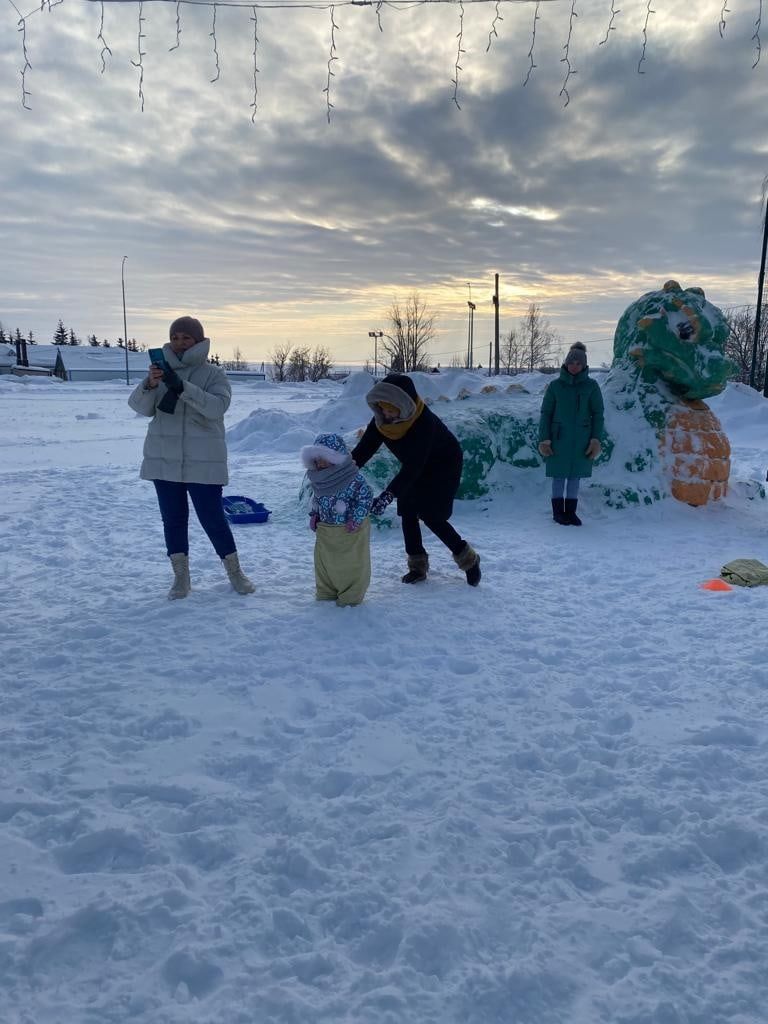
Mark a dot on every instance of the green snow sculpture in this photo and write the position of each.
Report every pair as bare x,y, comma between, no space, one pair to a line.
669,355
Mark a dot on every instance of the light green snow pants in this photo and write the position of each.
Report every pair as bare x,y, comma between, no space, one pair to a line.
342,563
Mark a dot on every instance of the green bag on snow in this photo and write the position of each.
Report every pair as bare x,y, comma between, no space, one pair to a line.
745,572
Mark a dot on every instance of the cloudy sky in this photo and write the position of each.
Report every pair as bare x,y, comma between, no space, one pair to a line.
291,229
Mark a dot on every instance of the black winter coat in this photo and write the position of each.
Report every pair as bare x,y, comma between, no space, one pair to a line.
431,461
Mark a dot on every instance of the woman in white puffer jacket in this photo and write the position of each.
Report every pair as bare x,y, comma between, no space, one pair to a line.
185,451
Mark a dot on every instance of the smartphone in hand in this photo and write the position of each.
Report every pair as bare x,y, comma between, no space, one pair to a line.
157,358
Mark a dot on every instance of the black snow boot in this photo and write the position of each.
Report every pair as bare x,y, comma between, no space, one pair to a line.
468,561
417,569
570,512
558,512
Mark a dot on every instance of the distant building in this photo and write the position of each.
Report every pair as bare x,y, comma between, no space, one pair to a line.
245,375
89,363
77,363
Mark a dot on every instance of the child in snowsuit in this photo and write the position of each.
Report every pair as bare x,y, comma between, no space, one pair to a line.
341,501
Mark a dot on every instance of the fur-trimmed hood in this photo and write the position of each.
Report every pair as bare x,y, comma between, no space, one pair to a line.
330,447
396,389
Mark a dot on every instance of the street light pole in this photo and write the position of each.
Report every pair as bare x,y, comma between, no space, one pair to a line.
471,336
125,323
376,335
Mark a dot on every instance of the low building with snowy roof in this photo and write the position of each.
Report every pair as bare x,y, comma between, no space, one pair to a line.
83,363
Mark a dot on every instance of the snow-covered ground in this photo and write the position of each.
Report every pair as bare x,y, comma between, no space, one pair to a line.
544,801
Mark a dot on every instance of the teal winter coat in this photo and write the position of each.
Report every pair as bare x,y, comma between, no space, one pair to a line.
571,415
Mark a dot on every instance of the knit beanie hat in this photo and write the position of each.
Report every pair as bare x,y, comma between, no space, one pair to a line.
187,325
577,354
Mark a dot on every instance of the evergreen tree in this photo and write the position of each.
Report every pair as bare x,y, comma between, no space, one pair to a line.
31,339
106,344
3,337
93,341
73,339
60,335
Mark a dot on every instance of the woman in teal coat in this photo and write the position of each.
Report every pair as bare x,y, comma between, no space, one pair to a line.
570,429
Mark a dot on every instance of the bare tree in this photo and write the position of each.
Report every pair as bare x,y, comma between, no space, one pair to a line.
740,342
320,364
511,352
538,342
413,327
236,362
299,363
458,362
279,358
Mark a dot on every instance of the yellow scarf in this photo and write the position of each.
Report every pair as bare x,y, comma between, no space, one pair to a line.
394,431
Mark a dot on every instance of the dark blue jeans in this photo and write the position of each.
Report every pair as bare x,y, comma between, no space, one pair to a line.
174,508
565,488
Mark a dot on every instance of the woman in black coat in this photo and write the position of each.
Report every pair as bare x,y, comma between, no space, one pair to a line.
429,476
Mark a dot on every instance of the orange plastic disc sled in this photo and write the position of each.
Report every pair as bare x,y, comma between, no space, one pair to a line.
716,584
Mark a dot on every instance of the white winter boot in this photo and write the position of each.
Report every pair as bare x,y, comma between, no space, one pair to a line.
181,581
237,577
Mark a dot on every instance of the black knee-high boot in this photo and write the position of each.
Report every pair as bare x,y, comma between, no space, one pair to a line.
570,512
558,511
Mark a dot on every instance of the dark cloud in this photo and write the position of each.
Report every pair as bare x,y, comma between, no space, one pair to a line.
292,224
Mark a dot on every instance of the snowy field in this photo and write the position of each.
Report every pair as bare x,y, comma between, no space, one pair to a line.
544,801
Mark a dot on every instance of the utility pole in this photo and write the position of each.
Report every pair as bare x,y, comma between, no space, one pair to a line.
496,328
125,323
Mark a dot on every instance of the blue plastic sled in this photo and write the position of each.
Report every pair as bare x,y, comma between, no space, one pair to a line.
239,509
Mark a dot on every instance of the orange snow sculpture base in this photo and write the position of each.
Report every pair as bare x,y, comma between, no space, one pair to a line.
697,452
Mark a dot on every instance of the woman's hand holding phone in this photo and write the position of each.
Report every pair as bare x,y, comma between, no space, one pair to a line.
157,366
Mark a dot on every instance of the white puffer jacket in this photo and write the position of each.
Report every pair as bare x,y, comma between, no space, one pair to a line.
188,445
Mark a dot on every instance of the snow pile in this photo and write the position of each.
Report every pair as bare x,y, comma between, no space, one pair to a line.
496,422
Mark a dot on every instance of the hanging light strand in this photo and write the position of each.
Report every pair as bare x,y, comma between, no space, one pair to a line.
648,12
255,104
332,58
459,51
532,65
177,44
611,26
25,93
497,17
756,36
566,58
104,48
141,55
212,34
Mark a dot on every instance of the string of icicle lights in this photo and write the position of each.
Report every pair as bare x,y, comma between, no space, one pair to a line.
377,7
